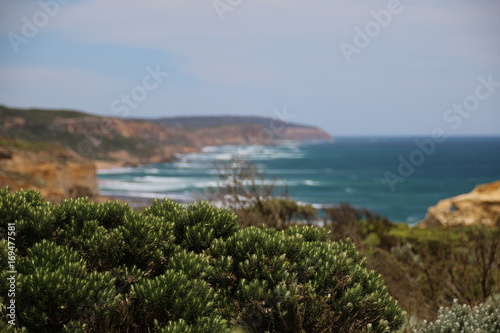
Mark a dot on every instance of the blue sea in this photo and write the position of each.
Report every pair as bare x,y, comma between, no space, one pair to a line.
395,177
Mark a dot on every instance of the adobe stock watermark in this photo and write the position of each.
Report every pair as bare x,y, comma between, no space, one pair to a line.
223,6
12,274
30,27
277,126
122,106
454,117
372,29
151,81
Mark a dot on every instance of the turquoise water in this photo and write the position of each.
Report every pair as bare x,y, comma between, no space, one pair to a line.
350,170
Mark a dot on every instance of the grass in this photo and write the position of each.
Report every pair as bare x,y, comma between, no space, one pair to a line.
35,146
40,116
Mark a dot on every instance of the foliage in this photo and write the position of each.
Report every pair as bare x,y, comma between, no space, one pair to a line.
242,184
88,267
295,280
458,263
38,133
484,318
257,199
359,225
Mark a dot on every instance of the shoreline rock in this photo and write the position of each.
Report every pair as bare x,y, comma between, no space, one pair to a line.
481,206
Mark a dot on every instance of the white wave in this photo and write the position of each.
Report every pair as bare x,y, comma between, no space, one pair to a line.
349,190
190,165
182,197
116,171
152,170
205,184
307,182
157,179
144,187
312,183
226,153
412,219
209,149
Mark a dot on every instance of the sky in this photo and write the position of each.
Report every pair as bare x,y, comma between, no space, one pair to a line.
376,68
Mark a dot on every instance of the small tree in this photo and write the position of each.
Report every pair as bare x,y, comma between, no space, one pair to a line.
257,199
241,184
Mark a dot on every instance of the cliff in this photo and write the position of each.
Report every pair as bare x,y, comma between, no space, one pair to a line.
481,206
58,151
57,172
115,141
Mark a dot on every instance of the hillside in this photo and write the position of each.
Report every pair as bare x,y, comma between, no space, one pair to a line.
212,121
140,141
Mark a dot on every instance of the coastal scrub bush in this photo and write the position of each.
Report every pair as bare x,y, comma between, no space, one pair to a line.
54,288
31,214
460,263
92,267
484,318
296,281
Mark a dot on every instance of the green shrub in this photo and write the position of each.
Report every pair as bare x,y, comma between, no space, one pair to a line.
88,267
31,214
281,279
203,325
484,318
54,288
173,296
149,242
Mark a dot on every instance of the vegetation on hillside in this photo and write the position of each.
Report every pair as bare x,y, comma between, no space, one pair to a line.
88,267
484,318
37,130
424,268
136,141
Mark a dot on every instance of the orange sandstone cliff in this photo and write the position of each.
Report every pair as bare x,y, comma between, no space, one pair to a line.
481,206
57,172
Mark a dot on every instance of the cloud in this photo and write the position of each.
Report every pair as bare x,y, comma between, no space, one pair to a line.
30,86
270,53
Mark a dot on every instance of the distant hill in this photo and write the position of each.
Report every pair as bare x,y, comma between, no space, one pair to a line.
140,141
212,121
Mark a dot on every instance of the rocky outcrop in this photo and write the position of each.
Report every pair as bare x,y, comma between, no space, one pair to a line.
57,172
481,206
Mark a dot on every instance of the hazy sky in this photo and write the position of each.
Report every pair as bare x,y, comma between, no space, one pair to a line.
350,67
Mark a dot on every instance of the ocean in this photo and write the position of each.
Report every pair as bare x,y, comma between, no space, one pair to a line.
396,177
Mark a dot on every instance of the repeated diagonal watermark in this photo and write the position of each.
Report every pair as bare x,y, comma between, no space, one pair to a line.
453,117
222,7
31,26
151,81
277,125
122,106
371,30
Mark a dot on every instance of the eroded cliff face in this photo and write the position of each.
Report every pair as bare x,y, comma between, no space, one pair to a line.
57,172
481,206
57,151
118,142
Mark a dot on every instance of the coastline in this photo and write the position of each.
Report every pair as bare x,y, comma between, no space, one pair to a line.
341,176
